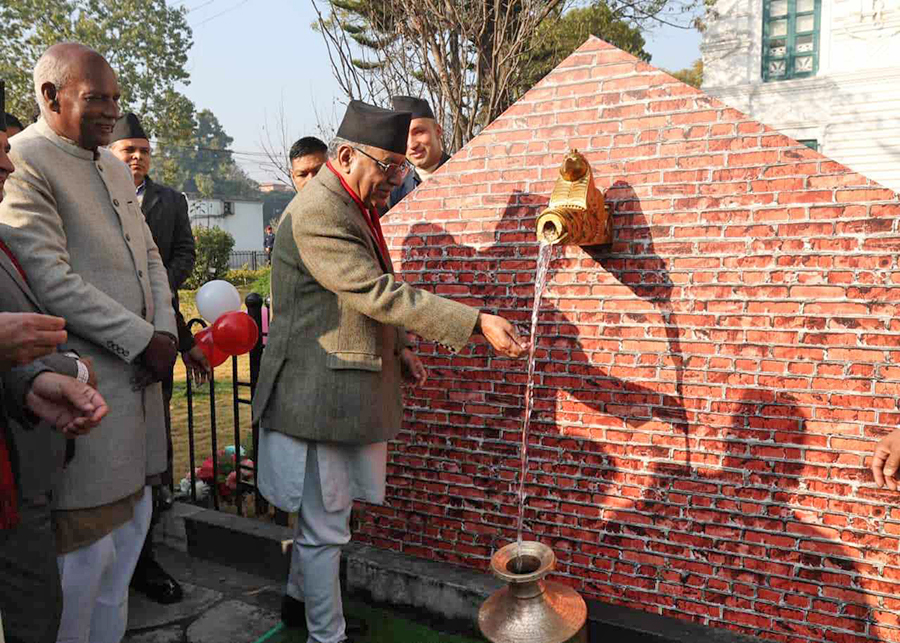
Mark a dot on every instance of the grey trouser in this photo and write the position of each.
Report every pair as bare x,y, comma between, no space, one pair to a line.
30,591
316,559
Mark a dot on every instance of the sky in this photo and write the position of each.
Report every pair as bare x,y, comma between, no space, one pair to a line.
250,57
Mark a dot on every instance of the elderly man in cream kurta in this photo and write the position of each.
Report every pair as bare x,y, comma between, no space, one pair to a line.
71,217
328,396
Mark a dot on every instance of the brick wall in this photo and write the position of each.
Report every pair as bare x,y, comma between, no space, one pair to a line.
709,387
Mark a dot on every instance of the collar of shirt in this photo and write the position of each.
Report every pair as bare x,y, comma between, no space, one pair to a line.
370,216
140,189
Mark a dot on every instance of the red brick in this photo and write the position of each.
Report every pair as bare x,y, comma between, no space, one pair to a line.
855,196
709,387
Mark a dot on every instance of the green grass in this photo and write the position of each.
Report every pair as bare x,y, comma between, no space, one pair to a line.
385,626
224,406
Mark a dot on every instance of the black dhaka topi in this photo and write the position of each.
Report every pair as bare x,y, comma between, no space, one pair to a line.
128,126
419,107
370,125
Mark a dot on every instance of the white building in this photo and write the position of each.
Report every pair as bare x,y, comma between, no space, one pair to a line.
243,218
824,72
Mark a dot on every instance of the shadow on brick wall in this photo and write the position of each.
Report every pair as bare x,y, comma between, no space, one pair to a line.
741,539
429,249
679,517
634,263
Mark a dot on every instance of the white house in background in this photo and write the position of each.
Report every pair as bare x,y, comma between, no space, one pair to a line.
824,72
239,216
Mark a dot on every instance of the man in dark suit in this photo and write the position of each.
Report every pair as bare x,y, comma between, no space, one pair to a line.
166,212
424,145
31,455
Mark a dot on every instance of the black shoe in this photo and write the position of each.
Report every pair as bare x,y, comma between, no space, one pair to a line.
355,627
293,614
166,500
156,584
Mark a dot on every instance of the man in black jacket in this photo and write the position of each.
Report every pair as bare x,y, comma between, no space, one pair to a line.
166,211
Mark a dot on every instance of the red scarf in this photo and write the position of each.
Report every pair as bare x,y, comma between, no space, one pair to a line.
12,257
371,216
9,511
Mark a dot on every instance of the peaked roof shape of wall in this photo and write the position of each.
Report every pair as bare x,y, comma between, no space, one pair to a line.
728,362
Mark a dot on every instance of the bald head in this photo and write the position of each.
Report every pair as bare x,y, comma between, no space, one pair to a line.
78,93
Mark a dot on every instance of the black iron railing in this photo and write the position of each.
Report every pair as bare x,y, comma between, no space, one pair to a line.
254,308
252,259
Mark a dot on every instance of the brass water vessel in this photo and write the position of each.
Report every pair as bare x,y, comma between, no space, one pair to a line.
577,212
531,609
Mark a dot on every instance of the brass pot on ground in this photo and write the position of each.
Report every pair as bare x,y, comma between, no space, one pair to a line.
577,213
531,609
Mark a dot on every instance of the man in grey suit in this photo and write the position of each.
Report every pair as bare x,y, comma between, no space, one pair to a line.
71,217
31,457
328,397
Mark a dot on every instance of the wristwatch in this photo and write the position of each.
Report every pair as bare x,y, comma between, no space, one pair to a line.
83,374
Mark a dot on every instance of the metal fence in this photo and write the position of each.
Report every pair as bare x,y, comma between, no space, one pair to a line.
252,259
241,394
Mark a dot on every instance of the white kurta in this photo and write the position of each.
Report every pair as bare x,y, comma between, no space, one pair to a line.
348,471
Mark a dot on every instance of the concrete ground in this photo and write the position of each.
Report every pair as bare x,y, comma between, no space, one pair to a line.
220,605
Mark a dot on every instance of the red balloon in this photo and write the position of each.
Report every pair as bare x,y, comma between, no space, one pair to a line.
204,339
235,333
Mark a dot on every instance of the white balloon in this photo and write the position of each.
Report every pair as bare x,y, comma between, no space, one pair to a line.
215,298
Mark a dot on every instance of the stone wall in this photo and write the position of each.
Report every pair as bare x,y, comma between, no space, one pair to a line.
709,387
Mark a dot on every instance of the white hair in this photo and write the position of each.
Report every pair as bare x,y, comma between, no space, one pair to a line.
335,144
50,68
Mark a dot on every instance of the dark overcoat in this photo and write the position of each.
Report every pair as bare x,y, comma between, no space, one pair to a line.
166,211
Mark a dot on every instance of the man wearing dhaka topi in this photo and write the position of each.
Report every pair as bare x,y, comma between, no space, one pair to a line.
328,397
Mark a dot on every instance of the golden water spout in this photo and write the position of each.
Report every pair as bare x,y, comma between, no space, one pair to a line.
531,609
577,213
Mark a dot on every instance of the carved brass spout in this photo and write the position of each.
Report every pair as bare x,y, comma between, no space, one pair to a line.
577,213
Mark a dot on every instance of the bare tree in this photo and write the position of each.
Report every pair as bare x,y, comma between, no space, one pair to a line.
276,145
463,55
278,137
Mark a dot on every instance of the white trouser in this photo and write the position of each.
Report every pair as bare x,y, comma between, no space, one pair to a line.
95,581
316,559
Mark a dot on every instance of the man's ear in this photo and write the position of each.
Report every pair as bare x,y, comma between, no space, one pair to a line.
344,157
51,96
440,134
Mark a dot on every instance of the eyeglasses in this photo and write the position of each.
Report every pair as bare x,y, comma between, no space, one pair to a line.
390,169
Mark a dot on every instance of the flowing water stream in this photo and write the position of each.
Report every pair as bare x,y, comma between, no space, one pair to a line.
540,281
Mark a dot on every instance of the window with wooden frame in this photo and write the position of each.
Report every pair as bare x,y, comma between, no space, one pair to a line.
790,39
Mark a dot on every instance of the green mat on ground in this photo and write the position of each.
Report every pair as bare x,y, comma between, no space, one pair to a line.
384,627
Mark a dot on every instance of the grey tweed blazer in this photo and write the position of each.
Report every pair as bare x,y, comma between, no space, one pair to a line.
331,368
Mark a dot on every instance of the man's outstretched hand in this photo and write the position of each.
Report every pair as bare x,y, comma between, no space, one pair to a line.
501,335
70,406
